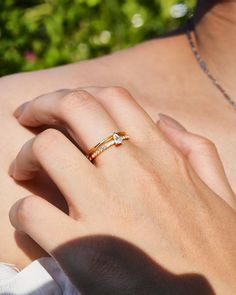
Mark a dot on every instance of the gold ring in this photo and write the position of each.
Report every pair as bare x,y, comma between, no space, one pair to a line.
115,139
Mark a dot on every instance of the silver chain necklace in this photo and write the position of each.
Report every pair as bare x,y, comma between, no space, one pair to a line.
205,69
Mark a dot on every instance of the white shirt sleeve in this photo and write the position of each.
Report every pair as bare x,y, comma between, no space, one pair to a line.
41,277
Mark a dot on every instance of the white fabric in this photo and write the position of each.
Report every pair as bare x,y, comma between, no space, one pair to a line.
41,277
7,271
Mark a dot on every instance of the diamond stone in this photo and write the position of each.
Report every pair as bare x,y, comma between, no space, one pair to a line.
117,138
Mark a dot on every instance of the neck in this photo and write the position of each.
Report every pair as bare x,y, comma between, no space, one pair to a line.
216,39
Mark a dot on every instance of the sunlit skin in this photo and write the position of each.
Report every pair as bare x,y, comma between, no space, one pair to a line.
154,191
147,72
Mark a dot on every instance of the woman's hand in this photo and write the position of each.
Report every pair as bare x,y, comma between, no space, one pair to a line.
163,191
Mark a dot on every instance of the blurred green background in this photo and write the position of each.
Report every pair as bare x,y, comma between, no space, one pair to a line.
44,33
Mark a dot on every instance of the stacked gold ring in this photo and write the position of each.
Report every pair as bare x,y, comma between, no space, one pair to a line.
115,139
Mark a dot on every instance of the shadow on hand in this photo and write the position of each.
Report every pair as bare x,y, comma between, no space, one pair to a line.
107,265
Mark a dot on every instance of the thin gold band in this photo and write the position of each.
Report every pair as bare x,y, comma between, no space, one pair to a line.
115,139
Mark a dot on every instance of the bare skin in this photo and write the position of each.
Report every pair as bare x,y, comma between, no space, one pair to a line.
161,74
146,193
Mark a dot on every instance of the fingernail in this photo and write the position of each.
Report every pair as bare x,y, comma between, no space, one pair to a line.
171,122
11,169
18,112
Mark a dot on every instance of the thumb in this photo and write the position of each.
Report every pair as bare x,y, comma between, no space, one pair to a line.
44,223
202,156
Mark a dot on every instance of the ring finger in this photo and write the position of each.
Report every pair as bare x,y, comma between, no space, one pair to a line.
83,116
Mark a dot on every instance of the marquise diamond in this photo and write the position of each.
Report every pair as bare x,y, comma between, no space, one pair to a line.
117,138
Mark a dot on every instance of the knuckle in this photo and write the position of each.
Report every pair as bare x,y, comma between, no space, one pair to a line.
45,140
117,91
75,99
25,209
206,144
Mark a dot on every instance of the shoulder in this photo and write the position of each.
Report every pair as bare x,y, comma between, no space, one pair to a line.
119,68
150,53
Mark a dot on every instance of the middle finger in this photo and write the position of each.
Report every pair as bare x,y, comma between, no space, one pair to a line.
64,164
